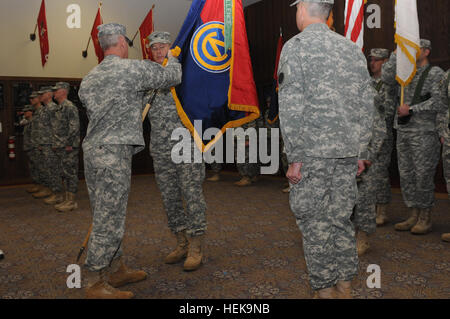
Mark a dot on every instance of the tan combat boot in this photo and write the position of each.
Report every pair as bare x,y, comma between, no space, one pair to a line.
180,251
69,204
98,287
286,190
410,222
55,198
122,275
57,206
423,226
214,178
381,214
245,181
344,290
446,237
34,188
326,293
43,193
362,242
195,254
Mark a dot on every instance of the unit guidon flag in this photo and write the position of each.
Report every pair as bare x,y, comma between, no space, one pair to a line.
217,86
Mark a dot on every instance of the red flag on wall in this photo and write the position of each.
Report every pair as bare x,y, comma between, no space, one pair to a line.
94,36
145,30
43,34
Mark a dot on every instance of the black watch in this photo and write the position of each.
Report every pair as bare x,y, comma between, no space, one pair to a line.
411,111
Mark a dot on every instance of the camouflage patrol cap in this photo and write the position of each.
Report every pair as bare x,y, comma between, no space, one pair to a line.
61,85
111,29
159,37
28,108
379,53
33,94
313,1
424,43
45,89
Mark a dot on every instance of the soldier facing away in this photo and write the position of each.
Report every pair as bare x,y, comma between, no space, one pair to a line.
112,94
326,114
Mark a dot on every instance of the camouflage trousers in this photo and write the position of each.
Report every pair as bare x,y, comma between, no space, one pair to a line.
446,163
33,164
51,169
107,169
364,216
418,156
180,183
322,203
381,176
69,168
244,169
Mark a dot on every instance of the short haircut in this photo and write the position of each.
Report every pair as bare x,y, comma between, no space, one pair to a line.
108,41
319,10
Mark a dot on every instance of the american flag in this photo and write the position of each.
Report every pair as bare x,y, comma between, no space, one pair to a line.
354,21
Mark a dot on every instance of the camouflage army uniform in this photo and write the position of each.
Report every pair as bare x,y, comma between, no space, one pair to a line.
67,133
177,182
51,167
38,153
276,124
30,150
112,94
418,146
385,102
446,149
365,213
244,169
326,113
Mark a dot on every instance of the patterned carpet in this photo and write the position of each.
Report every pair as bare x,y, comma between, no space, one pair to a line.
253,248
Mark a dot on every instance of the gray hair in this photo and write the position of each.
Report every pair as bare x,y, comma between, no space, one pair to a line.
108,41
319,10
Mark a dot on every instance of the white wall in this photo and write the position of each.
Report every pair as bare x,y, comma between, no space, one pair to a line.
21,57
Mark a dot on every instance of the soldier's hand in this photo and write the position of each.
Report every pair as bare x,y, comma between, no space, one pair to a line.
403,110
367,163
169,54
442,140
361,167
294,173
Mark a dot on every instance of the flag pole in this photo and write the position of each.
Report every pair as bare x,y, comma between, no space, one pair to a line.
135,35
402,96
33,35
85,52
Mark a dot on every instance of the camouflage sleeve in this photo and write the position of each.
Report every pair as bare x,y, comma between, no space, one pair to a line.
292,108
156,76
443,118
390,102
389,70
366,111
434,104
378,136
74,126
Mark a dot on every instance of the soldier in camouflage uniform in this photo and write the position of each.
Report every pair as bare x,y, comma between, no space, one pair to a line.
248,171
112,93
365,212
326,114
28,147
446,140
67,142
35,142
177,182
276,124
50,165
384,102
418,134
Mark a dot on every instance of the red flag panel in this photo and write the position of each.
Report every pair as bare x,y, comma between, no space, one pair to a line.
43,34
94,36
145,30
